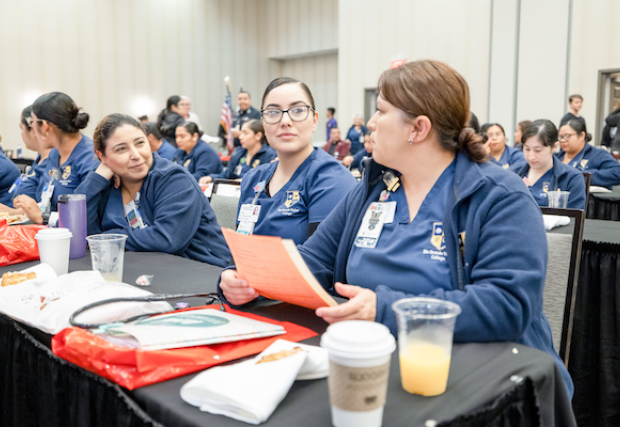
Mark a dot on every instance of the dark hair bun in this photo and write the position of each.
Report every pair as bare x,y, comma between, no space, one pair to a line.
588,137
80,121
471,142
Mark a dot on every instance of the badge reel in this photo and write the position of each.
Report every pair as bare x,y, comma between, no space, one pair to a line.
132,213
248,213
238,170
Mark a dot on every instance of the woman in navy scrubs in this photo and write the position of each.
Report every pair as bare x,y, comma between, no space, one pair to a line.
576,152
505,156
545,172
357,134
9,176
194,154
431,219
154,202
158,144
253,152
57,121
298,191
170,118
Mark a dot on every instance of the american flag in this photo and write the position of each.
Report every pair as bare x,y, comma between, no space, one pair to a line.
226,119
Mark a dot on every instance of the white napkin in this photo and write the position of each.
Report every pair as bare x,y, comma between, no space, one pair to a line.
250,392
552,221
595,189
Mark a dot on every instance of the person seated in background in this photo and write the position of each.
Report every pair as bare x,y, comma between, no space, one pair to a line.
357,161
157,143
299,190
575,103
155,203
544,172
576,152
611,137
185,107
9,174
254,151
519,133
336,147
57,121
357,133
505,156
170,118
447,238
30,180
195,155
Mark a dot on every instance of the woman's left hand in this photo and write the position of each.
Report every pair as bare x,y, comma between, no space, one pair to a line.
362,305
30,207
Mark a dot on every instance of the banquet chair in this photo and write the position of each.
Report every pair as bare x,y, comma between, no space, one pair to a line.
588,177
224,201
562,277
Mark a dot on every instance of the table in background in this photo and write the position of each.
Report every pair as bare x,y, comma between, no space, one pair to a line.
594,362
605,206
484,387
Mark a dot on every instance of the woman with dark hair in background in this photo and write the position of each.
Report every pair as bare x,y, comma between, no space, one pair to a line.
57,121
170,118
157,143
253,152
168,211
611,136
195,155
544,172
9,174
446,235
357,133
357,161
519,133
505,156
576,152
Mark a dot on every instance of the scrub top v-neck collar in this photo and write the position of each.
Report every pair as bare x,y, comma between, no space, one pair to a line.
304,165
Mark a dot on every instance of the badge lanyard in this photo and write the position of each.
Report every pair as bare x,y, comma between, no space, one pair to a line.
48,190
378,214
248,214
239,167
20,179
132,213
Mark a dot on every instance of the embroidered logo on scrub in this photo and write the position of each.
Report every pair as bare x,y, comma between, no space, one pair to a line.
545,187
583,163
437,238
67,172
506,166
187,162
255,163
292,197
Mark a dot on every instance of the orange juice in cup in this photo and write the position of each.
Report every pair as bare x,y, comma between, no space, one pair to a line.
425,334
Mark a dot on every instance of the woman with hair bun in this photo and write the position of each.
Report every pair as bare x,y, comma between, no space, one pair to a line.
57,121
578,153
195,155
544,172
253,152
442,224
170,118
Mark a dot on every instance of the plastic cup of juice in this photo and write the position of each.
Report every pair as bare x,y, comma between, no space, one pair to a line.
425,335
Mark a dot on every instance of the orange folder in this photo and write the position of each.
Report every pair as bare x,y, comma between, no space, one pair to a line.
274,267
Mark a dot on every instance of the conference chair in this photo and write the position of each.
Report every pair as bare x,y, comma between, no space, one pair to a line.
224,201
588,177
562,277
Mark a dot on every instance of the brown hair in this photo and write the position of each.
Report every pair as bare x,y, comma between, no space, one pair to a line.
287,80
435,90
572,97
523,125
106,128
256,126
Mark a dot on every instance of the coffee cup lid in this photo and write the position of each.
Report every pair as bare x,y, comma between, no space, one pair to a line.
358,339
54,233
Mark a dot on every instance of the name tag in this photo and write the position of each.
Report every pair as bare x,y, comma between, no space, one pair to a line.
372,225
238,170
46,196
249,213
133,215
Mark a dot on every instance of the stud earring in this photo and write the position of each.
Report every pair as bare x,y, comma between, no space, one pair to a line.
410,141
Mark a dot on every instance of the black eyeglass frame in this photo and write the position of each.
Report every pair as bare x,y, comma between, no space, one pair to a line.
309,108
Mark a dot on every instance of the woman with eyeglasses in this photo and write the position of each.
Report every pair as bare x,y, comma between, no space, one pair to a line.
576,152
253,152
298,191
195,155
57,121
505,156
154,202
431,218
544,172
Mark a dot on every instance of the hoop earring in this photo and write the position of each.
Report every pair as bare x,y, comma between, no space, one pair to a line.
410,141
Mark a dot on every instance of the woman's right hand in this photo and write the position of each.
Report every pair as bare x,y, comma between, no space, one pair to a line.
205,180
105,171
347,160
30,208
235,290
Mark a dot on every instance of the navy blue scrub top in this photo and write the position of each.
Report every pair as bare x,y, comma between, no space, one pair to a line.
313,191
411,256
512,159
540,188
354,136
9,174
203,160
166,151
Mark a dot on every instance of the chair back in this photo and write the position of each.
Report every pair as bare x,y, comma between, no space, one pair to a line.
562,277
588,177
224,201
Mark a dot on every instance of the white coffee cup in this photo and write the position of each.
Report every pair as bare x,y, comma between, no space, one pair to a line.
359,366
54,245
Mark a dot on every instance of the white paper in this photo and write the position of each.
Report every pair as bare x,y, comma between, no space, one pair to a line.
552,221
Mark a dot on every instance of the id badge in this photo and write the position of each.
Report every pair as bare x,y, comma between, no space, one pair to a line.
46,196
133,215
249,213
372,225
245,227
389,218
238,170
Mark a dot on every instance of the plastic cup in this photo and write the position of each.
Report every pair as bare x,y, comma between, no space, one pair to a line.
107,253
72,215
359,366
54,246
425,335
558,199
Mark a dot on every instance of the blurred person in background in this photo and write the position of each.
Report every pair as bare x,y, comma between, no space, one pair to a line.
356,134
170,118
336,147
575,103
186,111
611,136
331,122
9,174
519,132
357,161
157,143
244,113
505,156
195,155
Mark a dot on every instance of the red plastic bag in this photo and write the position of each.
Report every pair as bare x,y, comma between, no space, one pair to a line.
17,243
133,368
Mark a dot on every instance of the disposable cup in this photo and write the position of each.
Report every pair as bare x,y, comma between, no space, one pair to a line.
359,366
54,246
558,199
425,335
107,253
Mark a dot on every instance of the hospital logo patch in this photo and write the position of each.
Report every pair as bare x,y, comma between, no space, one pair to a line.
67,172
506,166
437,237
545,187
583,163
292,197
255,163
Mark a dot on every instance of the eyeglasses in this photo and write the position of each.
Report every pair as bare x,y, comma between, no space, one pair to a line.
565,137
272,116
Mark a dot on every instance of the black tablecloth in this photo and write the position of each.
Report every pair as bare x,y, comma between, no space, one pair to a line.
480,388
605,206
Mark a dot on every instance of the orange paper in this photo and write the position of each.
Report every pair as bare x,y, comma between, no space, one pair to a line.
274,267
